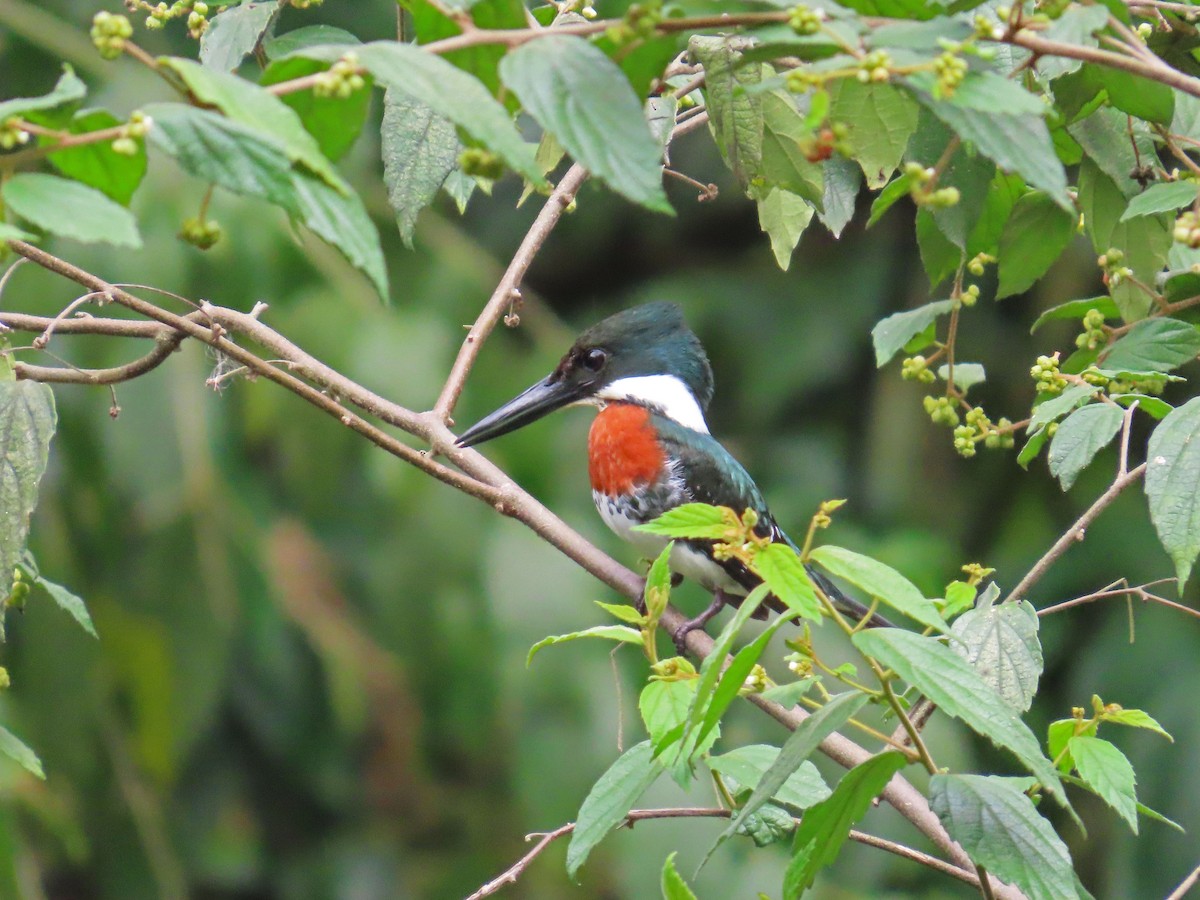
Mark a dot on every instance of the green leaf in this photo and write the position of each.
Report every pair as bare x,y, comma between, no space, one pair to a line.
1079,438
1033,446
780,567
609,801
657,592
434,20
1173,485
1049,410
335,122
880,581
1058,739
673,885
783,216
622,611
1019,144
1002,195
1001,830
341,221
9,232
620,633
257,108
1001,642
1163,197
67,93
664,706
939,255
784,164
1154,345
969,172
1036,234
70,209
420,148
1107,770
842,182
770,825
1136,718
891,334
826,826
732,681
985,91
456,95
16,749
1105,135
219,150
1141,808
69,603
234,32
748,764
698,521
966,375
97,164
1145,242
1077,26
558,79
1155,407
27,422
734,112
879,119
1142,98
1077,309
802,743
299,39
949,681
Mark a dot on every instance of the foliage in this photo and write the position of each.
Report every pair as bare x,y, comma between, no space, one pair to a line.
1015,133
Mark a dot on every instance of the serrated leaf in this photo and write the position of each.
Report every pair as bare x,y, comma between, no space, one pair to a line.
609,801
420,148
733,679
1079,438
802,743
557,79
97,164
1002,195
735,113
335,122
227,153
1077,309
780,567
69,209
620,633
891,334
784,164
880,581
673,885
949,681
71,604
1058,739
689,520
1110,774
252,106
842,182
1136,718
1158,198
879,119
783,216
16,749
1001,642
67,92
664,706
966,375
1173,485
939,255
342,221
234,32
826,827
999,828
455,94
1153,345
299,39
1035,235
1018,144
27,422
1033,446
748,764
1056,407
1155,407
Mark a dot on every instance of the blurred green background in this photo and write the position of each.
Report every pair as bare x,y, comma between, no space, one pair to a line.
310,678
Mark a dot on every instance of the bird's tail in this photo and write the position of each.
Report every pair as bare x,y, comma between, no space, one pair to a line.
845,603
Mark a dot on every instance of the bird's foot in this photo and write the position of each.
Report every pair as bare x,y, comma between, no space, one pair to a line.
679,635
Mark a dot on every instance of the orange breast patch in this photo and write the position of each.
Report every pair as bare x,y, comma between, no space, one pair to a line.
623,450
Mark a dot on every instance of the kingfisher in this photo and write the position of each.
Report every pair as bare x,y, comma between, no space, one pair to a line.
650,450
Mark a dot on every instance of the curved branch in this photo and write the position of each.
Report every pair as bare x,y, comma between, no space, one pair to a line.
165,344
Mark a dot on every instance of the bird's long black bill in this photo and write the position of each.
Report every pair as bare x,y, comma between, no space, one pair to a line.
541,399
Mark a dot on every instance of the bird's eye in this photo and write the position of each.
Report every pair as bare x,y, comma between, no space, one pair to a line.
593,360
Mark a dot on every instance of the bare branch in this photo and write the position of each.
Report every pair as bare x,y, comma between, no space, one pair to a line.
1122,589
1186,885
165,345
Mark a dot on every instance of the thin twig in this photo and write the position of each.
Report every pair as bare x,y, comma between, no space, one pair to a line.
1140,591
1186,885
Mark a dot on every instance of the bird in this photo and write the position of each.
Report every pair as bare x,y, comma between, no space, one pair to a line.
650,449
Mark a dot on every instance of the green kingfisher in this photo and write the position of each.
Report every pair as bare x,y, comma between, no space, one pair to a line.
649,448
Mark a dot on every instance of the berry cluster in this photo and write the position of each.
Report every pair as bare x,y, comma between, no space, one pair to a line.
640,22
916,368
1093,335
12,134
941,411
805,21
1045,372
341,79
920,178
1187,229
201,233
135,130
950,69
979,262
109,34
875,67
1114,272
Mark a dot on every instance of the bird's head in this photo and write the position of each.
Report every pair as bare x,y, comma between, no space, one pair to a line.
646,355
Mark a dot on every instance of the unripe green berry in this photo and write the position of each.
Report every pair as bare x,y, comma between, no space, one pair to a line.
125,146
480,163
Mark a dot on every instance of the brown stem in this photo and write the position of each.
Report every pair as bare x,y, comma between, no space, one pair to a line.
1186,885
